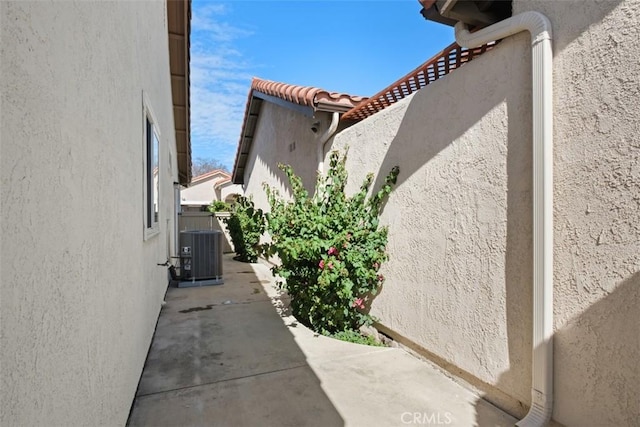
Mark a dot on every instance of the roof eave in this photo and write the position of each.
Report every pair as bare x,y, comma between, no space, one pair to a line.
252,112
179,29
246,139
302,99
303,109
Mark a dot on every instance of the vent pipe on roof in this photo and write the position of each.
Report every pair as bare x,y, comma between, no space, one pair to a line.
335,117
540,28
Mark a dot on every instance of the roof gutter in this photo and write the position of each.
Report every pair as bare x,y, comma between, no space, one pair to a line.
335,118
542,362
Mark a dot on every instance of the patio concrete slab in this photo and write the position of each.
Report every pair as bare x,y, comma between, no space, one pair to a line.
231,355
392,388
229,342
291,397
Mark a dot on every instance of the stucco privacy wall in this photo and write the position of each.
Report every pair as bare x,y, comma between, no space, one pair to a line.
459,218
80,287
459,279
282,136
597,200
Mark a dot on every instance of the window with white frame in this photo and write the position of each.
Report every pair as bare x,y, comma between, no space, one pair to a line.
151,174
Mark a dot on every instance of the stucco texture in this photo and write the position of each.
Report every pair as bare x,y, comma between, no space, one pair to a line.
202,193
458,281
283,136
597,200
81,290
459,278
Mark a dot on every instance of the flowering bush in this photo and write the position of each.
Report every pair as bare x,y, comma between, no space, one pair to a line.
330,247
245,225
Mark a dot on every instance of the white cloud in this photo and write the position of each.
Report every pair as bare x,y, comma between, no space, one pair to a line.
220,82
208,18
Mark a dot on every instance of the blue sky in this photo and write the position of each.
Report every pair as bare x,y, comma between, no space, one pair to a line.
355,47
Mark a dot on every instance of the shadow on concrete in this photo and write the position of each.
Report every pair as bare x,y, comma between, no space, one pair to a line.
221,356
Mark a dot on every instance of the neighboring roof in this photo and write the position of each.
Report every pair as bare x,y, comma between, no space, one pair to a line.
306,99
475,13
179,27
355,108
448,60
316,98
209,175
210,180
222,182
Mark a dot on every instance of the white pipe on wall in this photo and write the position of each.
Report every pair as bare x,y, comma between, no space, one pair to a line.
324,138
540,28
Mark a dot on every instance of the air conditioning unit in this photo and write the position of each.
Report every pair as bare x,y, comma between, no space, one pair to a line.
200,258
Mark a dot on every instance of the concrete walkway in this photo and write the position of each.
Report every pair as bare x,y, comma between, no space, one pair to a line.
229,355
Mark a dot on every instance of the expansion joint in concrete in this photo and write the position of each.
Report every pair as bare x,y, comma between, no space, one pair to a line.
189,387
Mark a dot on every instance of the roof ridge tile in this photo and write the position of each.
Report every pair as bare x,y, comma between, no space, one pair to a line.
303,95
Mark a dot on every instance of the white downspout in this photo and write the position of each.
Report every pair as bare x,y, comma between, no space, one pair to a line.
324,138
540,28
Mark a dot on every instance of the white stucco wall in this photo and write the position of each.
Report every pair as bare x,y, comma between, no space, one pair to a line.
282,136
230,191
459,278
81,290
200,193
597,224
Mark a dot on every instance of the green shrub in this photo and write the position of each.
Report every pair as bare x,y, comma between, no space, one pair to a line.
246,225
330,247
356,337
219,206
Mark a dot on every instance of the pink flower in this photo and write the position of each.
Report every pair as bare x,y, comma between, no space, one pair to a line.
330,265
380,277
376,265
332,251
321,264
359,303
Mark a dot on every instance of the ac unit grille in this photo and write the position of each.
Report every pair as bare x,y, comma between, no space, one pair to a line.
201,254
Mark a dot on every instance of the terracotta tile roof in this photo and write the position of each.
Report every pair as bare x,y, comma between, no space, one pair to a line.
209,174
310,97
316,98
448,60
427,3
222,182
